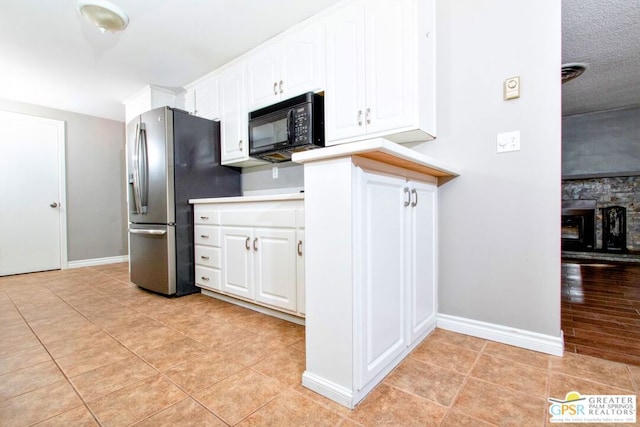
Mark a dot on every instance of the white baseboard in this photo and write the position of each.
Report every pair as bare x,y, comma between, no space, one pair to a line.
328,389
255,307
97,261
503,334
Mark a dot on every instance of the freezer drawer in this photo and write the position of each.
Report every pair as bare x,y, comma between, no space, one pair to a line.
152,257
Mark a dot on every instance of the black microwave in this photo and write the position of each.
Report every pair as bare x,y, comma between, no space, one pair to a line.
292,125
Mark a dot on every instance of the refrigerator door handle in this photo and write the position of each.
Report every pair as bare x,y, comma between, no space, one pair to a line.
140,170
148,232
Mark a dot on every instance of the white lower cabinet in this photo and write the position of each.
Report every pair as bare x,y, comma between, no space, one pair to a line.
258,253
300,250
237,261
396,293
275,267
260,264
371,274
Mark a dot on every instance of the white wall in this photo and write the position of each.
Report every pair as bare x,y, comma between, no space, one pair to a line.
500,220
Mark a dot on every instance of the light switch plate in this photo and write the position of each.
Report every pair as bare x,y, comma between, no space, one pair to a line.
508,141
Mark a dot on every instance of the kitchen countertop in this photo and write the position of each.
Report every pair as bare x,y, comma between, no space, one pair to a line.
384,151
241,199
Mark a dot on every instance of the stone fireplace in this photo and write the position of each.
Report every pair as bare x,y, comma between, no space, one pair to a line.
614,203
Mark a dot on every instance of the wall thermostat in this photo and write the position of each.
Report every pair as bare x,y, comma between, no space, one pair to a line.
512,88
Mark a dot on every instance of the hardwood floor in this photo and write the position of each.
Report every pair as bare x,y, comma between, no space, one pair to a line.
601,310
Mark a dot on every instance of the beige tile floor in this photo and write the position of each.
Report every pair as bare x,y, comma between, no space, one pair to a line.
85,347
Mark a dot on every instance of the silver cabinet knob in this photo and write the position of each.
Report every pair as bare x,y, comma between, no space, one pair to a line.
54,205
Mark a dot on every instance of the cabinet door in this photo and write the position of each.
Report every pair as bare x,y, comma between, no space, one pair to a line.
263,77
422,257
237,261
190,101
300,251
389,97
275,267
206,98
302,62
381,300
233,115
344,97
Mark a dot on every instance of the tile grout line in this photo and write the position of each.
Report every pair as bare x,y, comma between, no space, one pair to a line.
53,359
462,386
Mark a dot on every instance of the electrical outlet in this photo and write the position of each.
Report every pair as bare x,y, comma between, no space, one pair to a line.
274,172
508,141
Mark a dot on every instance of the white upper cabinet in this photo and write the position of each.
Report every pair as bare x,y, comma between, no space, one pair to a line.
286,68
380,71
147,99
234,124
201,98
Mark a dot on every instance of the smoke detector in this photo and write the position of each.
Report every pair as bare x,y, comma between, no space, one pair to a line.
572,70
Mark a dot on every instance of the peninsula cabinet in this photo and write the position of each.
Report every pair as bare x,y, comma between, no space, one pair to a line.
371,215
250,249
395,256
291,66
381,71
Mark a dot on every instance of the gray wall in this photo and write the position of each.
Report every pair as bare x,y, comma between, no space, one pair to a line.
95,177
499,239
605,143
260,179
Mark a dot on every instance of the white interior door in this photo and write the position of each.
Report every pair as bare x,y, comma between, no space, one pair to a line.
32,218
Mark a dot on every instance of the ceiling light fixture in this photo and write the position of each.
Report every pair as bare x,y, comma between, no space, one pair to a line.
572,70
103,14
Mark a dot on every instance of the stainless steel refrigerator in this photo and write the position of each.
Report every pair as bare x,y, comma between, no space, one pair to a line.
172,157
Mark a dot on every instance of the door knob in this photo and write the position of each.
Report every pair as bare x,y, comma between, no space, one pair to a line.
54,205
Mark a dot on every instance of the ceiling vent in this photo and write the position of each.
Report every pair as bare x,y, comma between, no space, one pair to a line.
571,71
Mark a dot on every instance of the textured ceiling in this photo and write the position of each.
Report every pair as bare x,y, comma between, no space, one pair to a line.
50,56
604,34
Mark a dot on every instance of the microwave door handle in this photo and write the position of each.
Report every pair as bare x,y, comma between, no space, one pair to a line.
290,127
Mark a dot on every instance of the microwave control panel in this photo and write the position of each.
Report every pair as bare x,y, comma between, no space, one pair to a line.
301,125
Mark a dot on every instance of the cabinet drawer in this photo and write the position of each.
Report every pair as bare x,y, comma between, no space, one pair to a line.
208,235
208,256
205,215
260,217
207,277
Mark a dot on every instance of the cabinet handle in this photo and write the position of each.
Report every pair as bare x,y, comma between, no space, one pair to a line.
206,279
299,247
368,116
204,236
240,145
359,117
246,243
275,88
204,257
281,83
255,243
407,202
204,218
414,197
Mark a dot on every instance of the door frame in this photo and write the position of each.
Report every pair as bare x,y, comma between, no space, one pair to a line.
62,174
